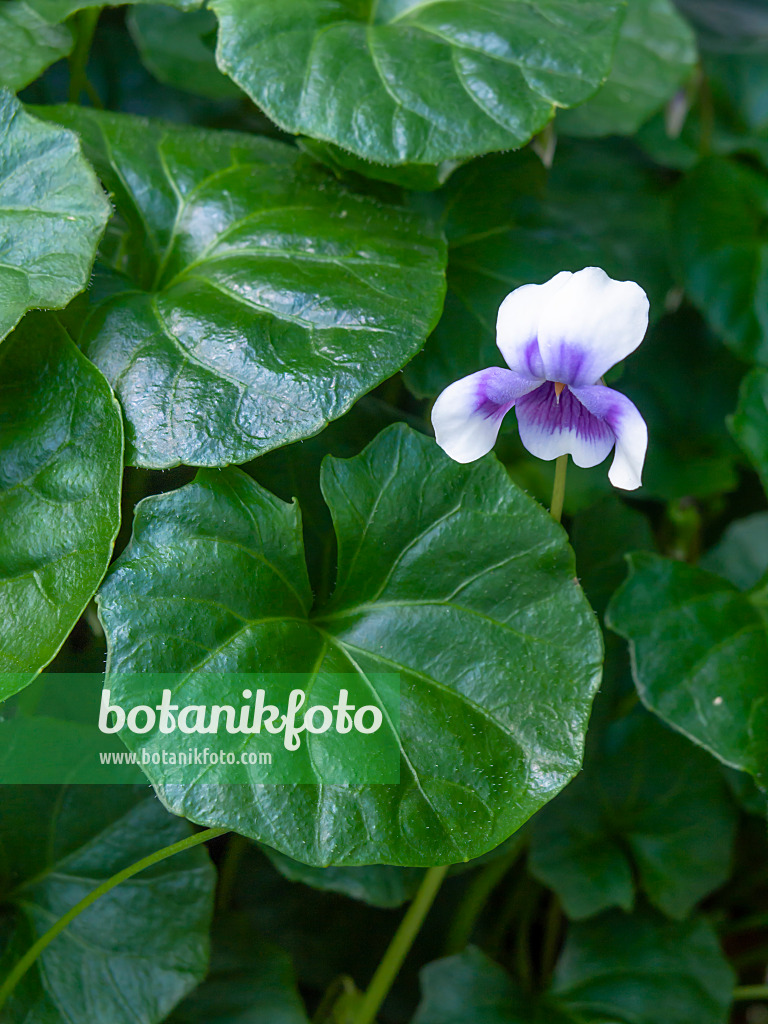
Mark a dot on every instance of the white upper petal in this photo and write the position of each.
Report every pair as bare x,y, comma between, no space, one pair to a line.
589,325
624,419
468,414
517,325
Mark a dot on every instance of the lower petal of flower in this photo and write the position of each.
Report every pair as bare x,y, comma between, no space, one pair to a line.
468,414
552,425
627,425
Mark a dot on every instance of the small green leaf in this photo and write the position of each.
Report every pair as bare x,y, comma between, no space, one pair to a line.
33,35
214,580
259,297
720,218
649,811
700,656
412,81
52,215
655,54
178,48
615,968
28,44
139,949
61,445
381,885
250,982
741,554
643,969
749,424
471,987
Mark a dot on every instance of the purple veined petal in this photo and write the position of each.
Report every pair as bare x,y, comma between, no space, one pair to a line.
468,414
552,426
590,324
517,325
627,425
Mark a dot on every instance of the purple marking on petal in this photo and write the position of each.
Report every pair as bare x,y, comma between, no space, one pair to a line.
533,361
550,427
567,363
497,391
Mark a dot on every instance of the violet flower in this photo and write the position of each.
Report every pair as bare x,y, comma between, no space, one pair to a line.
558,339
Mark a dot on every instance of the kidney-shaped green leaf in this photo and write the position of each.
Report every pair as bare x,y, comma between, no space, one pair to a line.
699,656
251,982
261,297
398,81
749,424
28,44
655,53
615,968
719,232
649,812
52,214
130,957
436,560
641,969
61,447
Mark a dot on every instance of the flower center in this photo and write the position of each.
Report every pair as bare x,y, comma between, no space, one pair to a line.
558,389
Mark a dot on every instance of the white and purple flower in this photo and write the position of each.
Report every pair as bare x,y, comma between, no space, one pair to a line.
558,340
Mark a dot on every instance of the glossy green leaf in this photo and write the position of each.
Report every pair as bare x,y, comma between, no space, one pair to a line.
52,215
178,48
250,982
420,177
28,44
411,81
649,811
685,382
700,656
615,968
33,35
260,297
471,987
719,230
741,554
655,53
749,424
138,950
214,580
61,445
510,223
641,969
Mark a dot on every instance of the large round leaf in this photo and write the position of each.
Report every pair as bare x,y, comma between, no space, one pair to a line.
721,239
699,656
139,949
61,446
655,53
52,214
418,81
260,297
436,562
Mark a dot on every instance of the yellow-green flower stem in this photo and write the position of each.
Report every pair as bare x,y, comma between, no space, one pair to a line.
398,948
29,958
558,491
751,992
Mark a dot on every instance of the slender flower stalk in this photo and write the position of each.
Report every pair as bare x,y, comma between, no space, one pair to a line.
558,340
